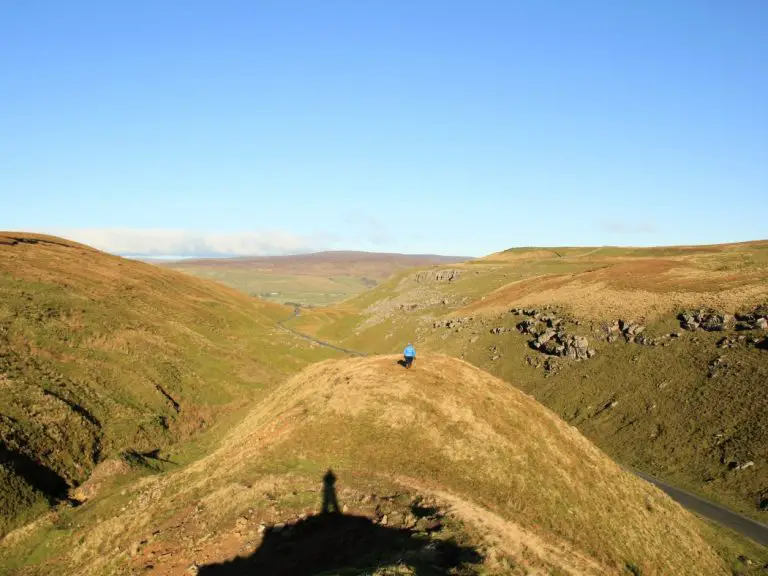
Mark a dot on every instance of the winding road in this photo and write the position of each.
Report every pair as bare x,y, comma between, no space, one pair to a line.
743,525
714,512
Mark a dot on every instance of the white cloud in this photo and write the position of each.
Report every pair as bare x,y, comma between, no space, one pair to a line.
186,243
624,227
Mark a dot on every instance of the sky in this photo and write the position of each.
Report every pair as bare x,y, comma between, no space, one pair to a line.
158,127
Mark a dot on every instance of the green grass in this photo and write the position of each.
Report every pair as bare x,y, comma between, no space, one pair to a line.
305,289
671,419
95,351
84,338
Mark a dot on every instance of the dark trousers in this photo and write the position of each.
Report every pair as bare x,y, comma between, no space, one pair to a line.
408,361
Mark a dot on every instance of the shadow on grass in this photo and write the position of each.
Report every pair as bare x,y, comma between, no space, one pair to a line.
40,477
337,543
150,459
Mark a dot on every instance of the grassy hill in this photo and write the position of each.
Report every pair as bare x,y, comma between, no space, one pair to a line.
154,422
687,406
321,278
102,357
442,469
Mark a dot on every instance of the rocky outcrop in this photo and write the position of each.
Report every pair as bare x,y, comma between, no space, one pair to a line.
431,276
737,340
714,321
549,334
628,329
453,323
708,320
757,319
564,345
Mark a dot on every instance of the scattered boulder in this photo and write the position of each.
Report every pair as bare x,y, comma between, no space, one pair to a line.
731,341
533,361
551,367
453,323
527,326
630,330
564,345
544,338
431,276
710,321
737,340
532,312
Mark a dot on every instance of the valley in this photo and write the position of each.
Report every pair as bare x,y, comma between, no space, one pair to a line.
154,422
316,279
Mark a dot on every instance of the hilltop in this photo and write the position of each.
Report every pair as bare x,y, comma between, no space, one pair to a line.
104,359
657,355
319,278
446,462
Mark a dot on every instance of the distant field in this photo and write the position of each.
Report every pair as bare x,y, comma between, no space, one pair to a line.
305,289
308,279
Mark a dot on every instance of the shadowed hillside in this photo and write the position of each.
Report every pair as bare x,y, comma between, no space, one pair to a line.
104,358
658,355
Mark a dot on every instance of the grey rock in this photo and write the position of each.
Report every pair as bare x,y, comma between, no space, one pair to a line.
431,276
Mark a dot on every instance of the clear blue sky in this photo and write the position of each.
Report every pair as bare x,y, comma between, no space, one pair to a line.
429,126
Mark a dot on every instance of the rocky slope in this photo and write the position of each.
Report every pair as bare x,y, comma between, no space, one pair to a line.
657,355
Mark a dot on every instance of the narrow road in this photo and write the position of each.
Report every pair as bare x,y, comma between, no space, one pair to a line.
317,340
718,514
745,526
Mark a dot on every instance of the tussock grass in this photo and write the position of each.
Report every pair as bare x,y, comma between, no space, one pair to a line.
532,492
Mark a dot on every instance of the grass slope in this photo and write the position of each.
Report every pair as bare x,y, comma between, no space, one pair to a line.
515,484
101,357
688,412
309,279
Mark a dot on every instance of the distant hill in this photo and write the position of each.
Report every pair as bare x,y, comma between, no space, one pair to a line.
659,355
310,279
103,357
153,421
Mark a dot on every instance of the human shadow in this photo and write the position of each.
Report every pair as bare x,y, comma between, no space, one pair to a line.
343,543
402,363
330,501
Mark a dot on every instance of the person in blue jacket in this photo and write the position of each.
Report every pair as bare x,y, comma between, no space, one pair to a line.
410,355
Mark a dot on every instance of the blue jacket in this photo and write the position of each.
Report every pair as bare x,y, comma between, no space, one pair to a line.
410,351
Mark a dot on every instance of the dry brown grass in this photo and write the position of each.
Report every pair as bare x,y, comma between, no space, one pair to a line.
639,286
539,492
